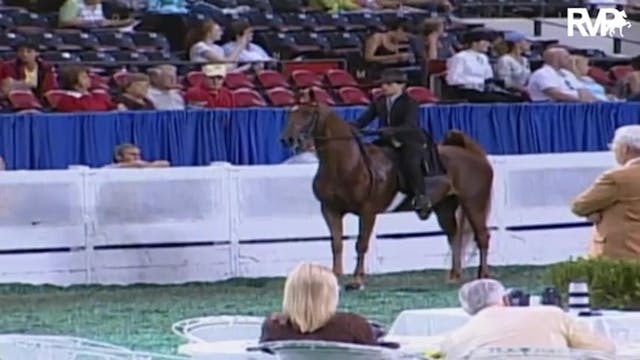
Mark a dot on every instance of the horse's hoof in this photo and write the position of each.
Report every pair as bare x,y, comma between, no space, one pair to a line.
484,275
354,286
453,279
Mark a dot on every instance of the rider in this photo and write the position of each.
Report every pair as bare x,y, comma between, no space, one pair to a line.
397,114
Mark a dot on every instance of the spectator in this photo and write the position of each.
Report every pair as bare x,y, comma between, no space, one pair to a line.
130,156
28,71
438,45
307,154
163,92
167,6
309,311
470,75
211,92
87,14
632,81
513,67
494,323
135,94
76,80
580,69
390,47
553,82
3,164
202,47
612,203
242,34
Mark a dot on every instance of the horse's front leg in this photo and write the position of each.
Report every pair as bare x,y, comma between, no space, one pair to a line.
367,221
335,224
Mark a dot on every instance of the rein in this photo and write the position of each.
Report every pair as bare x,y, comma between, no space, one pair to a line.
308,132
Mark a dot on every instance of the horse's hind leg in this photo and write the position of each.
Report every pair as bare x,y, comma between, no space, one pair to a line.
367,221
446,213
335,224
477,215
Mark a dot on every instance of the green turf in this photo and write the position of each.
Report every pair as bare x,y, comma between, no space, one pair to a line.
140,317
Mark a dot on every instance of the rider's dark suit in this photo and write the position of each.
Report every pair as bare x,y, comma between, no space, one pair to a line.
402,115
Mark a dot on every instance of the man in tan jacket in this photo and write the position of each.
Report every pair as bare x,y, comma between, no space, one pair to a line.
612,203
496,324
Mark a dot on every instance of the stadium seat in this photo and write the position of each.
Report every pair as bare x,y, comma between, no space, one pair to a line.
27,22
6,22
322,96
264,21
248,98
305,79
9,40
309,42
600,76
353,96
98,82
114,40
49,41
149,41
53,96
365,20
195,78
344,42
161,56
96,56
236,80
24,100
280,96
620,72
60,57
339,78
276,42
270,79
128,56
297,22
335,22
81,39
422,94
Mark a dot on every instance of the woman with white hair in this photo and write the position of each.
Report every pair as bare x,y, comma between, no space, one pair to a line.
496,324
612,203
309,311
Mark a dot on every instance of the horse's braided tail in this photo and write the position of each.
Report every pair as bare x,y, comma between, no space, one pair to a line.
460,139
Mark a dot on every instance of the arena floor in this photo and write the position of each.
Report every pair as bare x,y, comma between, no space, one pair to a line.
140,317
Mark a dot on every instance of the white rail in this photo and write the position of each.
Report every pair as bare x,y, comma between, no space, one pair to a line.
211,223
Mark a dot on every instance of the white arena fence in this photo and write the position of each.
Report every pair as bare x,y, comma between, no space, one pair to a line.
117,226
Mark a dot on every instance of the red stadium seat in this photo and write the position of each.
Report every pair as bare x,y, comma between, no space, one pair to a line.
305,78
236,80
280,96
195,78
270,79
600,76
322,96
339,78
248,98
422,94
98,82
24,100
53,96
353,96
620,72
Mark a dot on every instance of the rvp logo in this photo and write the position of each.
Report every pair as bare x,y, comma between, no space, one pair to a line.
607,22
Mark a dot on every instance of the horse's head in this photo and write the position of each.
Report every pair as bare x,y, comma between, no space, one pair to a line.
303,121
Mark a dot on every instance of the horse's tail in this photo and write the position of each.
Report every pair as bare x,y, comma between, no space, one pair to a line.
460,139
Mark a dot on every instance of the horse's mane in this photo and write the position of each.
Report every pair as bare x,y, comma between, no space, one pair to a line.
460,139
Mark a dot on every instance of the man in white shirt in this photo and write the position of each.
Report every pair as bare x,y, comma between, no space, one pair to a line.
163,92
469,71
553,82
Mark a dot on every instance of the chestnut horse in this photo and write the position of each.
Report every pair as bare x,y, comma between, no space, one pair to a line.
363,179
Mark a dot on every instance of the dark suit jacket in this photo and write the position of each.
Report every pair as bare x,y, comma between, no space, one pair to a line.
404,113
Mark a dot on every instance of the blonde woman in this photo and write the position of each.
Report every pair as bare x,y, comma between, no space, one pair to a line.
580,68
309,311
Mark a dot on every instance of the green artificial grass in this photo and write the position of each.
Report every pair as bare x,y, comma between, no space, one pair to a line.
140,317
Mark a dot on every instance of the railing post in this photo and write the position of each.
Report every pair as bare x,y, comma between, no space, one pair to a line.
88,218
232,184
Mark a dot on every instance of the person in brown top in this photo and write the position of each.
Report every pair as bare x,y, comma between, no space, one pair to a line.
309,311
612,203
